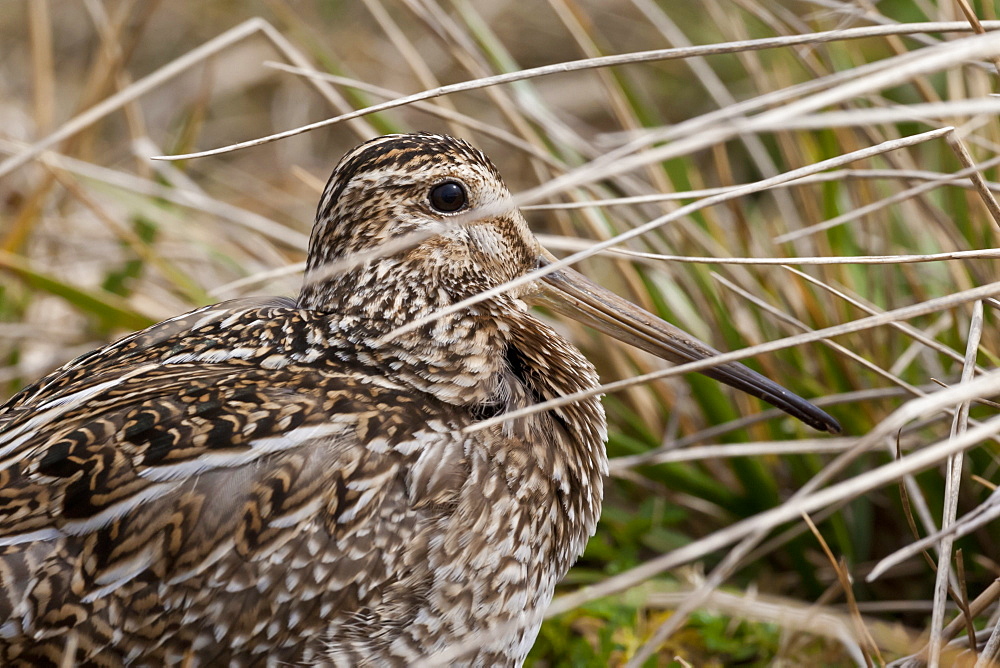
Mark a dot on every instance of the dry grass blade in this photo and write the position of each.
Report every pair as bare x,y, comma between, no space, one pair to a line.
917,335
952,486
983,514
977,177
595,63
971,172
981,603
991,652
953,179
844,577
462,120
962,600
567,244
133,92
757,449
159,77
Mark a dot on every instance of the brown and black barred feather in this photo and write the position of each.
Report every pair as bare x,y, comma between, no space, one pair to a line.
268,482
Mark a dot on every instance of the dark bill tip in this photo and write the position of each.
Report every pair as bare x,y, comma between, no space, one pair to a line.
571,294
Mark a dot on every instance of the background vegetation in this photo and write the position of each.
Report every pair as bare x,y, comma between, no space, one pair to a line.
704,555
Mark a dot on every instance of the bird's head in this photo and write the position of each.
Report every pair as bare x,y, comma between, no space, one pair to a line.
409,224
428,215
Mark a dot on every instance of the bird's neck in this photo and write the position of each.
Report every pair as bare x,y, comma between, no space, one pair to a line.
492,358
568,439
455,357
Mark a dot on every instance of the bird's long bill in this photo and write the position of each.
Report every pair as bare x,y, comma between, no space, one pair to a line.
571,294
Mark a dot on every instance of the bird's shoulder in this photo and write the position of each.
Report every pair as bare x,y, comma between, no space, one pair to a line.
240,406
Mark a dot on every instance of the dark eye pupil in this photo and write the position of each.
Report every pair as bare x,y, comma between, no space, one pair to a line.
448,196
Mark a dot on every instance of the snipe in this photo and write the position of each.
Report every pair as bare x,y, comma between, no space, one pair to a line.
268,481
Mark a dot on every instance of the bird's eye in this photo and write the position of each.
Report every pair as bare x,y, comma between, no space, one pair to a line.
448,197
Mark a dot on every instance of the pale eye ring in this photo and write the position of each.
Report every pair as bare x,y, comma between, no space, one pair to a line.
448,197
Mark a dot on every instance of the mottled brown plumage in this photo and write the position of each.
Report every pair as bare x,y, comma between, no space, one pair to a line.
265,481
